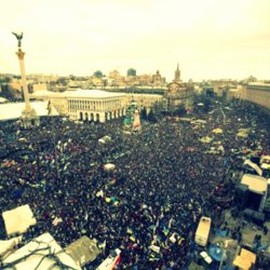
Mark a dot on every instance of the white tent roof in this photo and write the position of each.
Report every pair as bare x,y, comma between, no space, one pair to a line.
255,183
104,139
40,247
109,166
18,220
10,111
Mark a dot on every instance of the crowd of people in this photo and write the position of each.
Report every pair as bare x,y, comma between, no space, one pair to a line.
150,204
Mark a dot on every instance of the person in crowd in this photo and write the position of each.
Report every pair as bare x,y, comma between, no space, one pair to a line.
148,206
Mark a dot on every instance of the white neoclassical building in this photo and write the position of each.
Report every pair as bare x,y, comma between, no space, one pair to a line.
89,105
95,105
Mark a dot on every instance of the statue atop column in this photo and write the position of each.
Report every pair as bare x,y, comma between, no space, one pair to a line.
29,116
19,37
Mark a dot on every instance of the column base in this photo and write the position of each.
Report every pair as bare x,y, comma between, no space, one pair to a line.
29,118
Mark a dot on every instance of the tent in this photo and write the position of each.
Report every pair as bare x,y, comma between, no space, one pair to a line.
205,139
199,121
36,252
109,167
105,139
243,132
18,220
217,131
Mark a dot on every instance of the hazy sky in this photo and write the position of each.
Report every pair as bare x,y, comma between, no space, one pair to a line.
210,39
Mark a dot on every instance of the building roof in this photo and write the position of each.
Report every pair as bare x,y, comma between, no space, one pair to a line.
2,100
255,183
18,220
204,226
10,111
259,83
36,254
94,94
80,93
42,93
7,246
245,259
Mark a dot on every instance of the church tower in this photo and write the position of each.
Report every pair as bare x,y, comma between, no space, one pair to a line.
177,74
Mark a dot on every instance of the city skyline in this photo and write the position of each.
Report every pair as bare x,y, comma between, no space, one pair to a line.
209,39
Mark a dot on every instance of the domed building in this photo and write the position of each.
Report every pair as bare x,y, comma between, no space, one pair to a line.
178,93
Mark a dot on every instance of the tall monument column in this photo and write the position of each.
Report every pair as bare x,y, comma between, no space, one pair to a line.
29,116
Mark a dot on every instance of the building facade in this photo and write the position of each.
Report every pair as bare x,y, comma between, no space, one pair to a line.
158,81
95,105
178,93
87,105
258,93
100,107
146,101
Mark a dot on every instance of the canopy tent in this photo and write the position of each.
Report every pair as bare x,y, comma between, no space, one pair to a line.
199,121
243,132
105,139
36,253
217,131
18,220
109,167
206,139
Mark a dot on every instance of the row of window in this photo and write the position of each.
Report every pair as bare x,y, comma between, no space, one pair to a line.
258,88
93,105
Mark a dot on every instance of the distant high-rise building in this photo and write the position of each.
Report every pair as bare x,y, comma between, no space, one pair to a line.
131,72
177,74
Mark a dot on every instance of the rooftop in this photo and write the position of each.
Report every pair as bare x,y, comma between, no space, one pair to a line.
255,183
90,93
10,111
